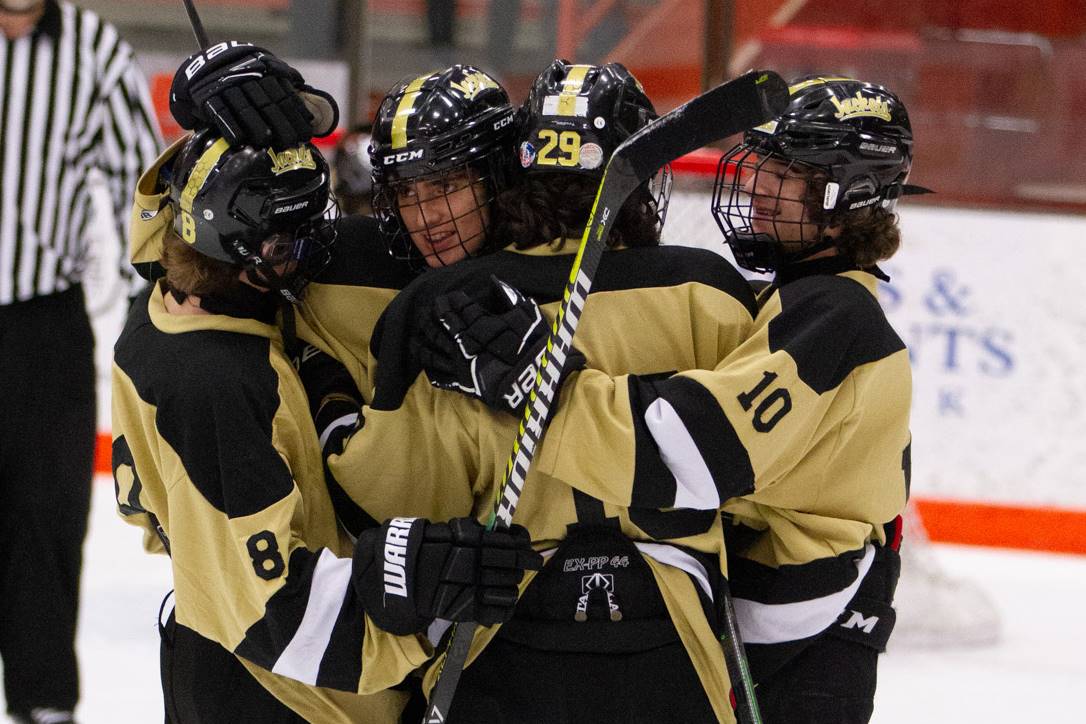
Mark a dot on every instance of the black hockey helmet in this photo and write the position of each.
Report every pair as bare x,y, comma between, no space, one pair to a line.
851,139
577,115
430,127
261,209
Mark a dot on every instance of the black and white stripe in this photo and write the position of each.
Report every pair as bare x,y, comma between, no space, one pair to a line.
72,100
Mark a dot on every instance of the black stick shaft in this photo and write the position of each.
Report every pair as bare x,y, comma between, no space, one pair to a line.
197,25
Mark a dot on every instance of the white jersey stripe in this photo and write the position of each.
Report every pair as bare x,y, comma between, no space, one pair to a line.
301,659
694,486
678,558
767,623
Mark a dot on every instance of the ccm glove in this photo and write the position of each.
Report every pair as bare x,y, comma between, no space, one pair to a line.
250,96
490,349
410,571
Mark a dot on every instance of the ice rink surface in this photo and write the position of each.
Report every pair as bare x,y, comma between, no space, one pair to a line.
1032,676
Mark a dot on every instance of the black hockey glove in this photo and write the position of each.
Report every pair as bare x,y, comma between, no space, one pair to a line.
490,349
410,571
334,401
250,96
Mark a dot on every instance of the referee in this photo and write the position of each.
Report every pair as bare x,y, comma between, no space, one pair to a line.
71,100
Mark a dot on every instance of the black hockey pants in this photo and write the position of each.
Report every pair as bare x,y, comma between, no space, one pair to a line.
203,683
591,641
832,679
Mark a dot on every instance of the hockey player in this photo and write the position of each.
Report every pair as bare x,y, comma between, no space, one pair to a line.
625,611
440,152
431,135
801,435
216,457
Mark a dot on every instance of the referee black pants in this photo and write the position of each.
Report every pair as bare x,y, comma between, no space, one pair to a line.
47,432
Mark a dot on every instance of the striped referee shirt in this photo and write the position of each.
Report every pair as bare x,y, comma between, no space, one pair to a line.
71,100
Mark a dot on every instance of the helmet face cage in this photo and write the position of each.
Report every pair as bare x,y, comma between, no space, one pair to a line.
659,189
287,260
440,218
766,206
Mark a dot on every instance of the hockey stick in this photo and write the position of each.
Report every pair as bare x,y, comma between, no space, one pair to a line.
738,105
197,25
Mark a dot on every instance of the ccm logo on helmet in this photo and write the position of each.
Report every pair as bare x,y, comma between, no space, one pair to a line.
218,49
403,156
500,124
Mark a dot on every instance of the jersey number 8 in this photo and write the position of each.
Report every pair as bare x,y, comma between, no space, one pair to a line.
264,550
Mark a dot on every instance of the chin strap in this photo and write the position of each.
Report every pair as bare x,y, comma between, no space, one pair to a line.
289,328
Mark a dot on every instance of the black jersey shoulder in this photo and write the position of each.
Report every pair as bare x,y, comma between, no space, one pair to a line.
672,265
544,278
830,325
215,395
360,257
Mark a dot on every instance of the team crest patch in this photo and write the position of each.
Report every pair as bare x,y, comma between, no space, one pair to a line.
859,106
527,154
291,159
473,83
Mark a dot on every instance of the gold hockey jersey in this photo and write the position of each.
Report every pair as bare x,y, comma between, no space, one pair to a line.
801,436
215,455
433,453
341,306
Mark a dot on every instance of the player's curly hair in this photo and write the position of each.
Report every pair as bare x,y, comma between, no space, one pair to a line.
868,236
190,272
537,209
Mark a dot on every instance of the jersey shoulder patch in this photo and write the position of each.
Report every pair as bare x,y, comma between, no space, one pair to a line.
830,325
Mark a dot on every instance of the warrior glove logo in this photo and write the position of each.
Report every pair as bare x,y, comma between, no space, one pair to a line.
399,529
858,620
